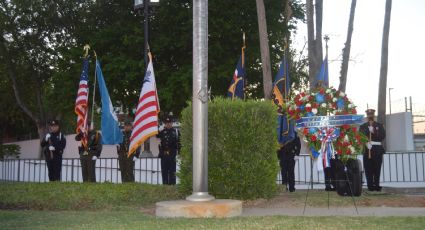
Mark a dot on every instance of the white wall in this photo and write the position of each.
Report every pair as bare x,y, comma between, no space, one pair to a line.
399,129
31,148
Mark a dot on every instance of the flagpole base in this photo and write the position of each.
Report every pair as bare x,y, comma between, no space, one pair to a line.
200,196
217,208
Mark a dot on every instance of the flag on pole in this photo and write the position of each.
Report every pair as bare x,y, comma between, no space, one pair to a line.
146,117
111,132
322,78
81,103
281,87
237,86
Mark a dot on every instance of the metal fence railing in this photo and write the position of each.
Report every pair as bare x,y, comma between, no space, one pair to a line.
397,167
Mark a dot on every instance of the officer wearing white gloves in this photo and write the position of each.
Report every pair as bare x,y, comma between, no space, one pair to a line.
90,150
374,151
53,145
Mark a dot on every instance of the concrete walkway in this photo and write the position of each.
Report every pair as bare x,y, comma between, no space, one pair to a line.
334,211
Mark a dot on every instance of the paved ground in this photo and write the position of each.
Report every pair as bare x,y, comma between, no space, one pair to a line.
334,211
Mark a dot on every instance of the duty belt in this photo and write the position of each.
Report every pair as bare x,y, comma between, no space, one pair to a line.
375,143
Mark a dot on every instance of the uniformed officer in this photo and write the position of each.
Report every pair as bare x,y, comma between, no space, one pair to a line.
127,163
286,155
373,153
89,153
54,143
168,152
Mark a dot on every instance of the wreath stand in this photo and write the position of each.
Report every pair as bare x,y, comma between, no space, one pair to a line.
311,185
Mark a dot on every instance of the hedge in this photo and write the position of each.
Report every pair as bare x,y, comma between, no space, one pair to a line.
242,144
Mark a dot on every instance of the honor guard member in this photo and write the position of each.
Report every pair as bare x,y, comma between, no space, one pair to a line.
373,153
89,153
126,163
286,155
54,143
168,152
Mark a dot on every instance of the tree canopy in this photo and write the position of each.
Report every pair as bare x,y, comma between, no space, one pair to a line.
41,49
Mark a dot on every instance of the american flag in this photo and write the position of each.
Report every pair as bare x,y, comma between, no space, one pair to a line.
146,117
81,103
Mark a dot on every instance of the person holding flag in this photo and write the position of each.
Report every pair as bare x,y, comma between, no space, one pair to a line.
290,144
126,163
237,86
91,146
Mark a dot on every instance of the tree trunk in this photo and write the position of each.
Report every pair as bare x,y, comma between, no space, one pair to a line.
314,32
347,48
11,72
265,53
382,102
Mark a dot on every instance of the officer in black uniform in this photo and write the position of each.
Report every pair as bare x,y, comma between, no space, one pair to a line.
168,152
374,151
54,143
286,155
127,163
89,153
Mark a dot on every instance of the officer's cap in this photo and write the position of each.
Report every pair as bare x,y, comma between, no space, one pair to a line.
54,122
370,111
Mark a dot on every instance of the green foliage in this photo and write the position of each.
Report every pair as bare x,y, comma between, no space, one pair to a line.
9,150
242,147
45,45
79,196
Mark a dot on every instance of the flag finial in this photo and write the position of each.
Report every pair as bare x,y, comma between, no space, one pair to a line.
86,50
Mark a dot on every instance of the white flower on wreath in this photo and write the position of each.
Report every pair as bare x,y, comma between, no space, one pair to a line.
352,149
334,99
308,105
350,106
341,94
346,138
330,105
314,111
328,90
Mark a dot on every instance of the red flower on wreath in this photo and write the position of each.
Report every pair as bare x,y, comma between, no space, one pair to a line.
325,102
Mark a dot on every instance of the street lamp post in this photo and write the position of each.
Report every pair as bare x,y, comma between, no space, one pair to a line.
389,97
138,5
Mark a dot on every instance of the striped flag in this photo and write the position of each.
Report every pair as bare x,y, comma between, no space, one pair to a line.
146,117
81,103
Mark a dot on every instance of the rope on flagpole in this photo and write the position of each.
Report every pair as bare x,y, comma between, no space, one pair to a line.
94,93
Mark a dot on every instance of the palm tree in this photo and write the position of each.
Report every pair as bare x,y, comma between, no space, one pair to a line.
346,50
265,52
382,95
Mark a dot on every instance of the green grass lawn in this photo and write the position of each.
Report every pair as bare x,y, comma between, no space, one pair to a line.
136,220
78,196
127,206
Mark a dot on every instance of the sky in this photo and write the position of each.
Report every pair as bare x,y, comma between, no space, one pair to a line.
405,64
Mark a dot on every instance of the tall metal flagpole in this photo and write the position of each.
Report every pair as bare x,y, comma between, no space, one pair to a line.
94,93
200,102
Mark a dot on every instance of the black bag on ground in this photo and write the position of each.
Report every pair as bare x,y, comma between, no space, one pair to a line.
348,177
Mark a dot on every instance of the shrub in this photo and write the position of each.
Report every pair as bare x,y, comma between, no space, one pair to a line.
242,146
9,151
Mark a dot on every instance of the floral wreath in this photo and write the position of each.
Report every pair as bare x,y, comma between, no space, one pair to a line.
346,139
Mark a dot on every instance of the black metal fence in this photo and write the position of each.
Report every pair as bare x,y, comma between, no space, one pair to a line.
397,167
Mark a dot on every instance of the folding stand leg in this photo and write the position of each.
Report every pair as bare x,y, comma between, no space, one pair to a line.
351,193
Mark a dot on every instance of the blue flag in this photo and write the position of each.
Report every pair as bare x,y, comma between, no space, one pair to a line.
322,78
111,132
281,87
237,86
